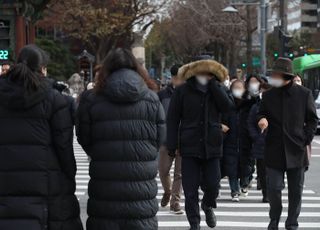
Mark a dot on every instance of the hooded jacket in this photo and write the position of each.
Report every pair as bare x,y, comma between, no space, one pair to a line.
37,164
194,116
121,130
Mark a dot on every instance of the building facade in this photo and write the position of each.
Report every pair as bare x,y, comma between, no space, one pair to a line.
303,15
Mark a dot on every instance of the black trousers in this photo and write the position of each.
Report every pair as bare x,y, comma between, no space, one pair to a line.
261,171
275,185
196,173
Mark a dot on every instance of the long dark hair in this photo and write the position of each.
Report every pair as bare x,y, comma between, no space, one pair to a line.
117,59
27,70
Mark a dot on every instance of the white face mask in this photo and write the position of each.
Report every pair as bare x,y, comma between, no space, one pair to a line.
237,93
276,82
254,88
227,83
203,80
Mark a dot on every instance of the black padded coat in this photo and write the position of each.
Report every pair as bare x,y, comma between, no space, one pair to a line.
121,130
37,164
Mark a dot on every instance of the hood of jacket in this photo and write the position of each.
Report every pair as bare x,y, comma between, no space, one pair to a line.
125,85
204,66
15,96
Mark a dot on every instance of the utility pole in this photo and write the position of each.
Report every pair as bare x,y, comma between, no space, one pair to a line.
283,25
263,36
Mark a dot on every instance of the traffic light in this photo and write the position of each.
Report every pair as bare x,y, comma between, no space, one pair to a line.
4,40
276,55
291,55
244,65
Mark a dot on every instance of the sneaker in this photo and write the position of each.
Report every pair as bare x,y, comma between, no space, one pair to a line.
165,200
195,227
235,198
211,218
176,209
244,192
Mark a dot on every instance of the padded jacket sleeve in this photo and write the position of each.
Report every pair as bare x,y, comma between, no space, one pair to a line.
62,135
161,125
173,120
83,124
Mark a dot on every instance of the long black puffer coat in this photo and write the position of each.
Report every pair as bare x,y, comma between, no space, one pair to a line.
121,130
37,164
237,142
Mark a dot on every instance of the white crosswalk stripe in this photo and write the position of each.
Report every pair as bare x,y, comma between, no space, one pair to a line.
249,213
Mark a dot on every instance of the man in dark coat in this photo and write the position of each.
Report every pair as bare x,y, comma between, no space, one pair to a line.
289,113
194,128
172,189
121,128
37,163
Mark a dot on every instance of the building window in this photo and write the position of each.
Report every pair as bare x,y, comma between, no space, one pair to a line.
309,24
310,12
311,1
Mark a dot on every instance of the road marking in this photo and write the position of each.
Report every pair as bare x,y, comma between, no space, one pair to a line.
248,224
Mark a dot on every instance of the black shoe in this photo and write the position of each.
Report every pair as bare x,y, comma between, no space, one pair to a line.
211,218
195,227
265,199
274,225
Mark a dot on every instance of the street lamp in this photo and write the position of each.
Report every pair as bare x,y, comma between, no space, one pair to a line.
230,9
263,28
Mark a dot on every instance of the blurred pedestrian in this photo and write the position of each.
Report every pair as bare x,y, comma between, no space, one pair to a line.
195,130
236,147
38,168
298,80
288,112
172,189
121,124
5,67
253,83
258,145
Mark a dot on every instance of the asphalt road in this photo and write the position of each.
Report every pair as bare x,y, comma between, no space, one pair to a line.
249,213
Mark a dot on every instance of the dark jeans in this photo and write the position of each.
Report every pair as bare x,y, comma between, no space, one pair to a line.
196,172
275,185
261,171
234,184
246,171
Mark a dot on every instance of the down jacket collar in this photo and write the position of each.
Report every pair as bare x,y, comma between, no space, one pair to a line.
204,66
125,85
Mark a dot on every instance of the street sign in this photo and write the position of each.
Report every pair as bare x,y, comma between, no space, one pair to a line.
4,55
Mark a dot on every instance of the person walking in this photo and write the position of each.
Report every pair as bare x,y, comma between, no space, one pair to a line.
258,145
121,125
195,129
253,83
288,112
236,144
37,163
171,189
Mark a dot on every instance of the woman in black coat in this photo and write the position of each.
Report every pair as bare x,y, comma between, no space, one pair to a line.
237,142
37,164
258,144
121,124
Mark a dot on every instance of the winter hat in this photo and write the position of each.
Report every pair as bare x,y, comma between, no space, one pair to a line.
30,56
283,66
203,66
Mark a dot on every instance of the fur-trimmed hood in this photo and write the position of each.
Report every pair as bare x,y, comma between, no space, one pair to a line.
204,66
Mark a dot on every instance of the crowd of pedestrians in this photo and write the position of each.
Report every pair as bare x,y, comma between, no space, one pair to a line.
205,124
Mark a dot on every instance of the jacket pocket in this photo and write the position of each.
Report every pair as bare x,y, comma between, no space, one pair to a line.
215,135
189,136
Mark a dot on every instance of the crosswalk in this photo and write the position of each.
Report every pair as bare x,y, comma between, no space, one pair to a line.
249,213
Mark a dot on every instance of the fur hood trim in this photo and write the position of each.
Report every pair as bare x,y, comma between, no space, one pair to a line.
204,66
